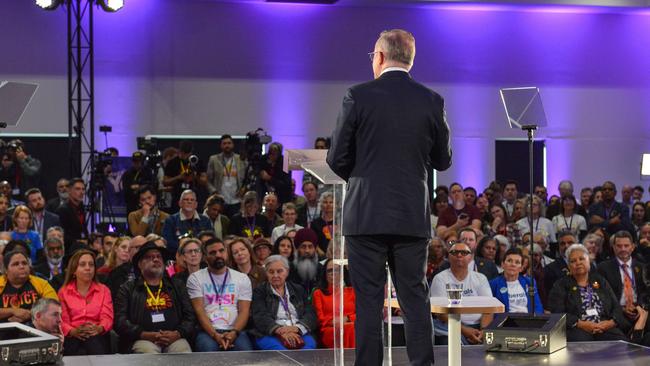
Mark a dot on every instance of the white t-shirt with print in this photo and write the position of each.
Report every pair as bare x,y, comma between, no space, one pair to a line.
475,284
220,304
517,297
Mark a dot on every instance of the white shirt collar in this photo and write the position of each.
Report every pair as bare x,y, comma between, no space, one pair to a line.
183,218
393,68
628,262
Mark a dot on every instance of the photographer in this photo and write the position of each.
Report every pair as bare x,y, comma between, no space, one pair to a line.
21,170
184,172
272,177
137,176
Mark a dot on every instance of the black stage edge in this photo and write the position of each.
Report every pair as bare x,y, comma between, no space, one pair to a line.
576,354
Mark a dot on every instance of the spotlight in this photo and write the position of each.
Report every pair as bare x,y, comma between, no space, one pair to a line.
48,4
111,5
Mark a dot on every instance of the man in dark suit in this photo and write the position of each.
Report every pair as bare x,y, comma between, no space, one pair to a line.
626,275
43,219
72,215
391,132
610,214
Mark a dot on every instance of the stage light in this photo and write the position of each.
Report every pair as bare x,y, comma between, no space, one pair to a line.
48,4
111,5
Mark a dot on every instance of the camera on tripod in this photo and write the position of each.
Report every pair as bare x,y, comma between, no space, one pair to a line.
153,157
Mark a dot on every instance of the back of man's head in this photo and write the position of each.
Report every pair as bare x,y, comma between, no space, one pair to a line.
398,45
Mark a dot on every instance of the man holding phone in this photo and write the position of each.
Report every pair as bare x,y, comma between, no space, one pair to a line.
459,214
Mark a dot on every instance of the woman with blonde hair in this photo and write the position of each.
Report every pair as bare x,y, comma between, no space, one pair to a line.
118,255
22,221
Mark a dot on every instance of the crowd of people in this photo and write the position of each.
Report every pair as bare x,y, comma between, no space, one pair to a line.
249,265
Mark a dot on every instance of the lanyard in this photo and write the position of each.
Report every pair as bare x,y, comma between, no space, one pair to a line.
310,216
219,291
154,301
285,304
227,166
38,225
184,169
631,278
250,226
570,224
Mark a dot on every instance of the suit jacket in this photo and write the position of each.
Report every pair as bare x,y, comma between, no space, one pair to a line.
49,219
215,171
390,133
72,227
611,271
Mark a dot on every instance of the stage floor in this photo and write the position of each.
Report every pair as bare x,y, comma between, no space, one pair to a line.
576,354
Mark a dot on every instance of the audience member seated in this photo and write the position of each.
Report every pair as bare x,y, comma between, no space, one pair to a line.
206,235
643,241
311,209
568,219
214,210
262,249
626,275
490,250
270,207
221,298
510,193
323,226
22,221
555,208
118,255
282,314
440,203
148,218
42,219
226,172
638,217
594,244
6,189
436,258
475,263
186,221
560,267
46,317
538,272
474,284
192,257
328,317
87,308
52,268
459,214
289,216
511,287
72,215
243,260
62,186
610,214
248,223
306,267
5,220
541,225
153,314
18,289
592,311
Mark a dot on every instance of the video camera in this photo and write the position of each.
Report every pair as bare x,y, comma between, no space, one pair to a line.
153,157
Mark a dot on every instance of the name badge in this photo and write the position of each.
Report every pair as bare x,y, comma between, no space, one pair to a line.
592,312
228,183
157,317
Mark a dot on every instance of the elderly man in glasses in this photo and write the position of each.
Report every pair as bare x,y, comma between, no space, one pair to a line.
474,284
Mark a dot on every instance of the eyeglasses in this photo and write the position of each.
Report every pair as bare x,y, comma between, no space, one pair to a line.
462,253
192,251
371,55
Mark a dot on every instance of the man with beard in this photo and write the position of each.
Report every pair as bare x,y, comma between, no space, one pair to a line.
153,313
226,172
221,298
62,195
310,211
43,219
306,266
53,266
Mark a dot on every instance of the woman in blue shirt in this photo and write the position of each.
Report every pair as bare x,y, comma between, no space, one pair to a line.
22,220
511,287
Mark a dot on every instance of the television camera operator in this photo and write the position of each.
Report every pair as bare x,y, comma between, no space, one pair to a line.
186,171
136,177
18,168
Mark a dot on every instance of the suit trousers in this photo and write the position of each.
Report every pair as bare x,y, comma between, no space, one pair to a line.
406,257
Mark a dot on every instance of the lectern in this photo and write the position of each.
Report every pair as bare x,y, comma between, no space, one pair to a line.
313,162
